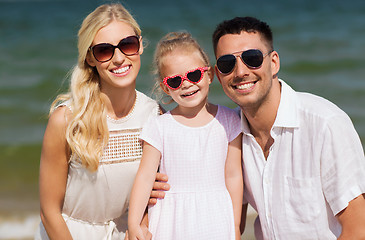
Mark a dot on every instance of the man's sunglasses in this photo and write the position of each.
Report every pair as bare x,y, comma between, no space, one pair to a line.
193,76
253,58
103,52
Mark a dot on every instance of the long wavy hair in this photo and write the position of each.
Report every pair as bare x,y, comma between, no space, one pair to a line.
167,44
87,131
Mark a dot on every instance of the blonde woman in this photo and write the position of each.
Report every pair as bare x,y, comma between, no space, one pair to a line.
90,152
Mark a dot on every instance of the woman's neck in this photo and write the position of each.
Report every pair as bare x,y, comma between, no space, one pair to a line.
119,103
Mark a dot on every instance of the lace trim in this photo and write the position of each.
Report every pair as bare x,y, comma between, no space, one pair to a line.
119,161
123,146
126,118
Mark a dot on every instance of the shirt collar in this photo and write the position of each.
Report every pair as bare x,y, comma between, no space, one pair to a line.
287,115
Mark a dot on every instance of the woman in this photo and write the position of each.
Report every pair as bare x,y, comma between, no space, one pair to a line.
91,151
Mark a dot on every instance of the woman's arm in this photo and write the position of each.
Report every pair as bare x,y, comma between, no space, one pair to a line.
234,180
141,190
53,175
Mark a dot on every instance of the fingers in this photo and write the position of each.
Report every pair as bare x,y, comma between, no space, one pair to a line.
161,177
126,237
146,233
148,236
161,186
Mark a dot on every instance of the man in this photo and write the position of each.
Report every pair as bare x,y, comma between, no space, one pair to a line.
304,167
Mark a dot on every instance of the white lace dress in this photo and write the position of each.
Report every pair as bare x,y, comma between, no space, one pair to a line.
95,205
198,205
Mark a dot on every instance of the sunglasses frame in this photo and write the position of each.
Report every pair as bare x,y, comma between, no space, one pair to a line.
185,77
119,46
239,55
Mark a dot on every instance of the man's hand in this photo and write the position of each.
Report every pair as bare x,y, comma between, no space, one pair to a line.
159,187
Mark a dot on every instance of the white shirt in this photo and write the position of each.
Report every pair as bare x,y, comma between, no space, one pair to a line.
315,167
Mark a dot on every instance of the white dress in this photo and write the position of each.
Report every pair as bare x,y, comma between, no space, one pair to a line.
95,205
198,205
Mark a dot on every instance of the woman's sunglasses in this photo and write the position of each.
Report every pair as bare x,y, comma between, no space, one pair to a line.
103,52
253,58
193,76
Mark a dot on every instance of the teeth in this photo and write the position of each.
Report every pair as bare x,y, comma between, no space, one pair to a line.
189,94
245,86
120,70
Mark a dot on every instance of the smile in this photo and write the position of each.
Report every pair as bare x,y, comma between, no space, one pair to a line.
121,70
245,86
189,94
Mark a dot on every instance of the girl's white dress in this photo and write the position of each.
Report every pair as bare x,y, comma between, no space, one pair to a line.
96,204
198,205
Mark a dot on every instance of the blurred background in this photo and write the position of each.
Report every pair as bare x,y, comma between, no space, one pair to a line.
321,46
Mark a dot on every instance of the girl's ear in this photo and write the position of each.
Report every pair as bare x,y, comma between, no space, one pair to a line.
217,73
165,88
211,74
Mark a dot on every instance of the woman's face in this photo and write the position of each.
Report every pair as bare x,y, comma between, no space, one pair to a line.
121,70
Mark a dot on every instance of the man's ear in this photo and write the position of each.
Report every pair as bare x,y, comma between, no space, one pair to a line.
217,73
164,88
90,60
275,63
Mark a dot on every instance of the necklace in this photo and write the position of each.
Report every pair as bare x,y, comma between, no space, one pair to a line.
126,118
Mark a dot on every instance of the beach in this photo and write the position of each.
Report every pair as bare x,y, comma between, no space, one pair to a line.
320,44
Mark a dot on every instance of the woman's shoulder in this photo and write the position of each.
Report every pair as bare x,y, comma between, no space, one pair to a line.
147,104
60,116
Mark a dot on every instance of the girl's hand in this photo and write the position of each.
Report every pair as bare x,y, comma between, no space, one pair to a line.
135,234
159,186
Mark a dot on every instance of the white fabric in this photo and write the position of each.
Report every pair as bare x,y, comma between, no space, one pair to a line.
95,205
198,205
315,167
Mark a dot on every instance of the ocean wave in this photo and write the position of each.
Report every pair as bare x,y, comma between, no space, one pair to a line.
19,228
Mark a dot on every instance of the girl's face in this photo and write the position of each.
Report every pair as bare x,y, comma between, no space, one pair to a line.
121,70
179,62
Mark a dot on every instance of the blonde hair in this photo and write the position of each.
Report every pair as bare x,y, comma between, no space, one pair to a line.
87,131
169,43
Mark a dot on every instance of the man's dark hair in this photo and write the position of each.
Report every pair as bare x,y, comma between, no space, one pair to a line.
239,24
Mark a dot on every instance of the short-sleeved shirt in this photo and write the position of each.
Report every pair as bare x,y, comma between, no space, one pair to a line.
315,167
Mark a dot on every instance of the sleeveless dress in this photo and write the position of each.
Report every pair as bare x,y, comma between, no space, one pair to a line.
95,205
198,204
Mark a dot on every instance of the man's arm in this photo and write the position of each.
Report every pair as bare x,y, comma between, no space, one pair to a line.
352,219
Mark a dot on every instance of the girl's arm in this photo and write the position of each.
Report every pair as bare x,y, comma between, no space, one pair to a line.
234,180
142,189
53,175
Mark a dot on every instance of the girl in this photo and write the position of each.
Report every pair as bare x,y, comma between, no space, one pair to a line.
198,145
90,152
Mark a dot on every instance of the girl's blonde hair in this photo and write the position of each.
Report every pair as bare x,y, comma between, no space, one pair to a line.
87,131
169,43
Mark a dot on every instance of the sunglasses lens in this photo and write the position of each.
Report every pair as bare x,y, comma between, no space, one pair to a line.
174,82
129,45
253,58
194,76
103,52
226,63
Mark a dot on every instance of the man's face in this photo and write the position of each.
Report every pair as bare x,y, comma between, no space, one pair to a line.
248,87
